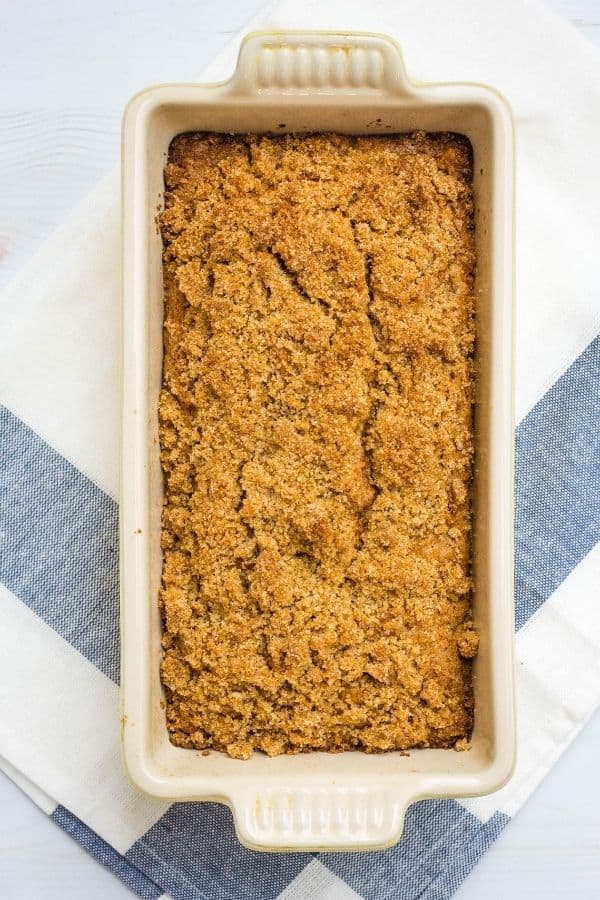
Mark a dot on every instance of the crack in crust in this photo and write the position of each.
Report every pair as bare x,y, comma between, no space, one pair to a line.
293,278
371,419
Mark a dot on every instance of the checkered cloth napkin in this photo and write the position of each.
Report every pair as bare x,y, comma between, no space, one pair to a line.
59,383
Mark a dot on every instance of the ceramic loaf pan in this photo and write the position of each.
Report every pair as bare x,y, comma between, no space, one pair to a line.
354,84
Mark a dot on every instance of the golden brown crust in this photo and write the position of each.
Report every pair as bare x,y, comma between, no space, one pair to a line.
316,442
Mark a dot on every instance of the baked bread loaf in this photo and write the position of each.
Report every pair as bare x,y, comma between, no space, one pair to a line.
317,442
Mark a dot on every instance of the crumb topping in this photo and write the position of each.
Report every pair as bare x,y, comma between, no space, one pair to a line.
316,442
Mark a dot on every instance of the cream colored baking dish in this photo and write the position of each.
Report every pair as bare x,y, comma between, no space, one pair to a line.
351,83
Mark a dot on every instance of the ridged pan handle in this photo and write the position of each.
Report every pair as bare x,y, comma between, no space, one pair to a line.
301,61
328,818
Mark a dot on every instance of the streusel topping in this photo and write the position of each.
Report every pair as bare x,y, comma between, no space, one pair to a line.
316,442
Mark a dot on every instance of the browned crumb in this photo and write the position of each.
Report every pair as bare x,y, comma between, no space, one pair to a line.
468,641
316,442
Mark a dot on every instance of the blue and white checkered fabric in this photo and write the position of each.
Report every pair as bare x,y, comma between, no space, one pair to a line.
58,516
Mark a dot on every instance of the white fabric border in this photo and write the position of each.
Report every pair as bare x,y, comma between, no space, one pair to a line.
558,683
316,880
35,793
60,338
60,729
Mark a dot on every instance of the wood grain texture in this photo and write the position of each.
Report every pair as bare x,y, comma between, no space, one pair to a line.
583,14
66,70
39,861
49,160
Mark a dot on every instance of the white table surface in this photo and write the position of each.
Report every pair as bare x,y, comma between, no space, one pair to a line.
67,68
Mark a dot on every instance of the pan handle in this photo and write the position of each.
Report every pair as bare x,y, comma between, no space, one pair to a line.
294,62
319,818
